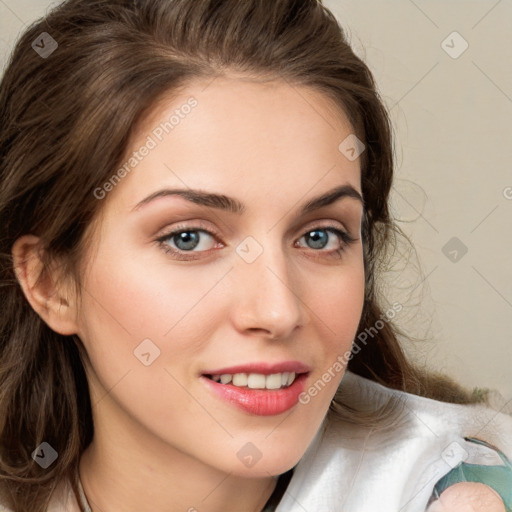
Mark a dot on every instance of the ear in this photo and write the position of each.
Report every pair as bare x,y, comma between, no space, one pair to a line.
51,296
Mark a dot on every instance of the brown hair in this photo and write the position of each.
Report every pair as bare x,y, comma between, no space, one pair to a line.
66,123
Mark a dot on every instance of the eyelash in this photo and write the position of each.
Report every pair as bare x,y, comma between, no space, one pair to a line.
184,255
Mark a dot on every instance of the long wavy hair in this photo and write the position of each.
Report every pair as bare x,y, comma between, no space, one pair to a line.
67,119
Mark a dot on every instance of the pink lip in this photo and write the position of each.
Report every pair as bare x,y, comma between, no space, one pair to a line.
261,402
263,368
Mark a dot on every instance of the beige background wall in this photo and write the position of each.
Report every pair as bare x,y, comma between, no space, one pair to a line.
451,110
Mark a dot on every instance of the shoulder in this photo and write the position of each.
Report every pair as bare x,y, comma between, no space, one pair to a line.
468,497
419,415
438,445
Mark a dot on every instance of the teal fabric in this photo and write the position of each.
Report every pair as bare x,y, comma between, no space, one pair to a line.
498,478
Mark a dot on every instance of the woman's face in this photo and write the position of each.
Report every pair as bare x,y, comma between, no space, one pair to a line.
176,289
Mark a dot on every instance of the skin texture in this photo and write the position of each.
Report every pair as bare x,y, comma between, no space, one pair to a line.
468,497
160,434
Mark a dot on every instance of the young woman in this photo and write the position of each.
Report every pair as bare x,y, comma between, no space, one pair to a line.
194,212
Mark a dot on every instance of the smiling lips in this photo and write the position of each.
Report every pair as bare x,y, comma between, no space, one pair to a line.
262,389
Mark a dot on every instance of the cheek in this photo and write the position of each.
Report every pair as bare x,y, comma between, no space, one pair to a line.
134,314
128,301
338,307
343,302
339,311
141,298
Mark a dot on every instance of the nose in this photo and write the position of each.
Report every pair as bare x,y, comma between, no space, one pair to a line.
268,298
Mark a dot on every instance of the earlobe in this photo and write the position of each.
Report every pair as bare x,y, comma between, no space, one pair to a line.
48,295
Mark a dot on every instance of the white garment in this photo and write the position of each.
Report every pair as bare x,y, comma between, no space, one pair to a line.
394,468
363,469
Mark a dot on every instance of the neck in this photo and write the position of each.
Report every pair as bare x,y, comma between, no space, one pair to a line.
119,471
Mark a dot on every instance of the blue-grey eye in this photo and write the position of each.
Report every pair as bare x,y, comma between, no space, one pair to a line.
318,237
187,240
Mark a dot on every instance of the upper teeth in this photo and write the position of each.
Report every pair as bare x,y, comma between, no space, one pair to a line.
256,380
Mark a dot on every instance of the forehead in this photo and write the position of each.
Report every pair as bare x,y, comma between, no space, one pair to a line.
234,135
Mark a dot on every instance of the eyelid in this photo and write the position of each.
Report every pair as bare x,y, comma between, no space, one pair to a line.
325,223
188,226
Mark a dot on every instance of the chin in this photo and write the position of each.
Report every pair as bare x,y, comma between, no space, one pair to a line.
271,460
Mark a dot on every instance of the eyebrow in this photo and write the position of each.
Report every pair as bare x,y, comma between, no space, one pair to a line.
233,205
